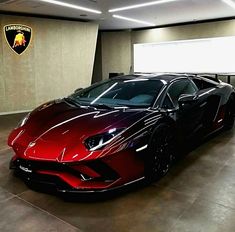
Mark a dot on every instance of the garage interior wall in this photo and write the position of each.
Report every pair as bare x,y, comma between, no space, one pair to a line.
183,32
116,52
59,59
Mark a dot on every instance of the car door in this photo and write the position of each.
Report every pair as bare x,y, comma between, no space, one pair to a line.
189,116
213,115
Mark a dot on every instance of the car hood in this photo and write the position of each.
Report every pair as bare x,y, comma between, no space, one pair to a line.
57,131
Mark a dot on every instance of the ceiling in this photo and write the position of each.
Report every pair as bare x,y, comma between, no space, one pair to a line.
169,12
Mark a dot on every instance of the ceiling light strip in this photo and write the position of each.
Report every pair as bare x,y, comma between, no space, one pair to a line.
230,3
141,5
59,3
134,20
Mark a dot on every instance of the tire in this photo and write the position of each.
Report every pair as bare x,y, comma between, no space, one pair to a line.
229,113
160,155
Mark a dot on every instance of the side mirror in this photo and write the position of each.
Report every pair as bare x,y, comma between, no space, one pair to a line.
78,90
187,99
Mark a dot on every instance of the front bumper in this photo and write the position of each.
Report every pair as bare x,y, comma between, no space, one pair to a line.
62,178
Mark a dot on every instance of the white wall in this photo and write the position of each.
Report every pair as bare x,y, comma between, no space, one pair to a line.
212,55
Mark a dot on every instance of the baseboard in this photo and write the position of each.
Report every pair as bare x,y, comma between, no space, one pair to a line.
14,112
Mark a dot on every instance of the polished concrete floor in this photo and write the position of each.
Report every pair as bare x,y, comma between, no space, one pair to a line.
198,195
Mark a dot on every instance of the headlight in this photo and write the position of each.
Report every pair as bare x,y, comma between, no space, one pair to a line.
99,141
23,121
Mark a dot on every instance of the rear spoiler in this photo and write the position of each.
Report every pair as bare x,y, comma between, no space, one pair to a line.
215,76
210,76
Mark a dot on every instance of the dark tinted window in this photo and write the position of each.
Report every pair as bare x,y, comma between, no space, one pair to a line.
202,84
175,90
167,103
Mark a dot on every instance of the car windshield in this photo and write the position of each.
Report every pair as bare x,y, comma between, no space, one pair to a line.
119,93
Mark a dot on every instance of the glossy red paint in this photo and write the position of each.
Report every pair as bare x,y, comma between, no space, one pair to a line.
57,133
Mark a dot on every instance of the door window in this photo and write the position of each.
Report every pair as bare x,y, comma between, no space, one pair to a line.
175,90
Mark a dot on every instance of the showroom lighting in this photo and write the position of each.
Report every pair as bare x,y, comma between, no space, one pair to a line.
141,5
134,20
230,3
59,3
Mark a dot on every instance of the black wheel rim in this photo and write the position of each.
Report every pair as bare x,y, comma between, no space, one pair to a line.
162,151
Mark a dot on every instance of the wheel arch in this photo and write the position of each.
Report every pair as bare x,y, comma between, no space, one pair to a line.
164,119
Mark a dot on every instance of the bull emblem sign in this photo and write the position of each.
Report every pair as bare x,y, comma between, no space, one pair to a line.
18,37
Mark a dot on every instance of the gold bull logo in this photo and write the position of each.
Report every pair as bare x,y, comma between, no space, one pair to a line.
18,37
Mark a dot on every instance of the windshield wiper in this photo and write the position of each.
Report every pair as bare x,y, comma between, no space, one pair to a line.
121,107
102,106
72,101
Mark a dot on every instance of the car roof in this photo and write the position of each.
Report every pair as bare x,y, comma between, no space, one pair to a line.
168,77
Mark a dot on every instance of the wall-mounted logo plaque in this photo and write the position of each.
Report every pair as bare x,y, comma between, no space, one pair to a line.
18,37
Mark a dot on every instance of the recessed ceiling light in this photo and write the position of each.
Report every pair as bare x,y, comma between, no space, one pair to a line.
230,3
141,5
134,20
59,3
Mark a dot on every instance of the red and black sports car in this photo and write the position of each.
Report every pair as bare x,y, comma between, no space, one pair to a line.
118,131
